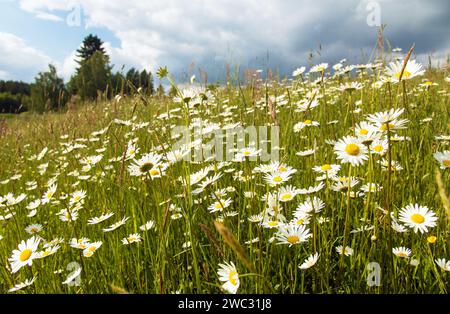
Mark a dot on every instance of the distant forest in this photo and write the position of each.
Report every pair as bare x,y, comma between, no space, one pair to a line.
92,80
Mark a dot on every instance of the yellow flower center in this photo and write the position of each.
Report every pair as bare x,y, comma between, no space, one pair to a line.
406,74
307,122
402,254
325,167
417,218
428,83
132,151
154,172
277,179
92,249
272,223
25,255
352,149
49,194
378,148
384,127
286,197
363,132
300,222
282,169
293,239
247,153
77,198
232,276
446,162
217,205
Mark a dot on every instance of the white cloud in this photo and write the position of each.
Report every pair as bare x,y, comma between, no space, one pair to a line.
209,33
4,75
48,16
68,66
19,60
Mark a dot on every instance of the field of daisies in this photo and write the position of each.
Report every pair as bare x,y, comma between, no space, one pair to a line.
99,199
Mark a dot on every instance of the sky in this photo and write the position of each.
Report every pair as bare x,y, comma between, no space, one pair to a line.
208,34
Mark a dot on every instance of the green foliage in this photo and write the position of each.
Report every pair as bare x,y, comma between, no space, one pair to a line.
48,91
10,103
91,44
160,90
14,96
92,77
14,87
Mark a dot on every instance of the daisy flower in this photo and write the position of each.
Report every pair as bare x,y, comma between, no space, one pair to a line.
147,165
229,276
443,158
48,195
365,132
116,225
247,152
350,87
25,254
310,261
328,169
49,250
398,227
271,223
132,150
305,153
132,238
418,218
411,70
276,178
147,226
298,71
20,286
379,147
34,228
81,243
347,252
34,204
350,150
401,251
312,189
395,165
310,205
91,248
97,220
343,183
287,193
307,123
220,205
443,264
77,196
388,119
71,279
319,68
255,218
371,187
292,234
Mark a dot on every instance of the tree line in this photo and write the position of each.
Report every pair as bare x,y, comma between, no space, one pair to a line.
93,79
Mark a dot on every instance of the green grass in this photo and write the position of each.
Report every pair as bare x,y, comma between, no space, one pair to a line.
160,263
